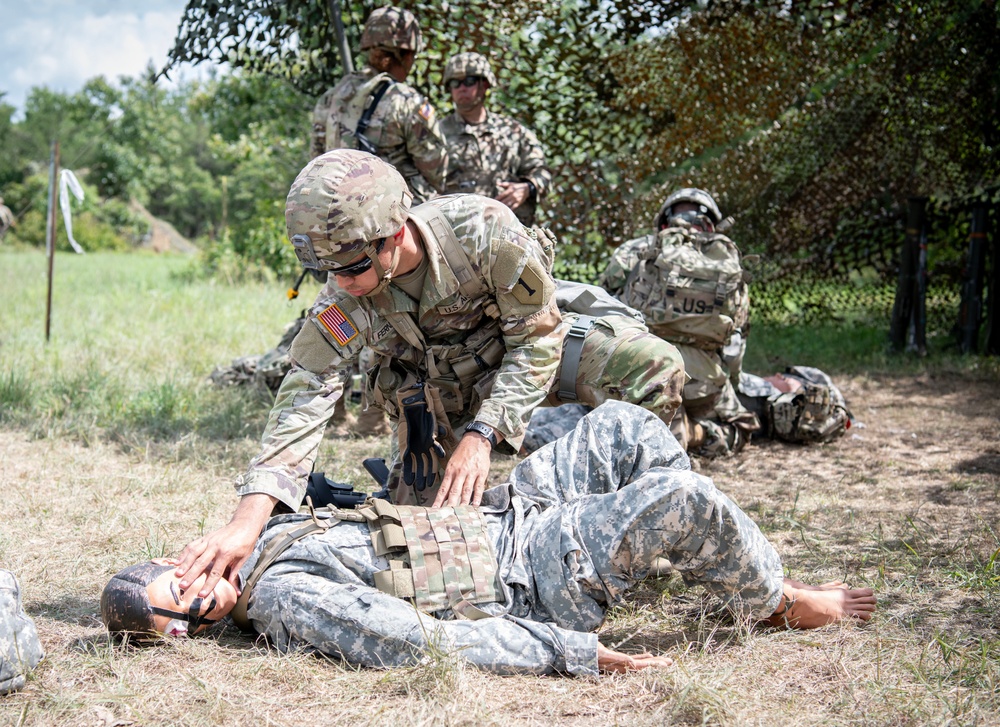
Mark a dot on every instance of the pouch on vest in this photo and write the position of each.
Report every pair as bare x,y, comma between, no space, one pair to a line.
20,649
440,558
691,288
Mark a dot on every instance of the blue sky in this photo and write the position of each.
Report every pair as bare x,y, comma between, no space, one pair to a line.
63,43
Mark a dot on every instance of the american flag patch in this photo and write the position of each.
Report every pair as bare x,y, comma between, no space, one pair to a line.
338,324
427,111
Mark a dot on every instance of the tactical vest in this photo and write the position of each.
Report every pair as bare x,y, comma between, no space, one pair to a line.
462,372
439,558
691,288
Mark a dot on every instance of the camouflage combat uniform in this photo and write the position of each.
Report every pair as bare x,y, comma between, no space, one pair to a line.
500,149
404,129
574,526
710,397
620,359
20,649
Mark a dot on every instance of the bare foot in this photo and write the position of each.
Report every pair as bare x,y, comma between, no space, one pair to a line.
809,607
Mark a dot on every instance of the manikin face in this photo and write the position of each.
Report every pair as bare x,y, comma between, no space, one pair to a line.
184,613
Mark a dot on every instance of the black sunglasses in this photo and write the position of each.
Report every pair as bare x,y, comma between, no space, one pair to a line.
361,266
468,81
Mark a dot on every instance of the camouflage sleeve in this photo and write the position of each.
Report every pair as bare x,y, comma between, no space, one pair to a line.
619,267
426,144
532,163
322,353
513,265
299,610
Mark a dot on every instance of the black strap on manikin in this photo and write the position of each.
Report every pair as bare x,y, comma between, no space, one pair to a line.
570,366
366,117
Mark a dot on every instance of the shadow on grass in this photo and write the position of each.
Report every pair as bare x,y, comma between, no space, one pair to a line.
68,609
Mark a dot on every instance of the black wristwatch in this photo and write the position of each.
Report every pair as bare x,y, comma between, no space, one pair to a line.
532,189
485,430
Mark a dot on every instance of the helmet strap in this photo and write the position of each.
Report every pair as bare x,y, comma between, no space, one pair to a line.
385,276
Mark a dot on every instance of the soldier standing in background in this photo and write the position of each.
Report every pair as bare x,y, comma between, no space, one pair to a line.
488,153
375,111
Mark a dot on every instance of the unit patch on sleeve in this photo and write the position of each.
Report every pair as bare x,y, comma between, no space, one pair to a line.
338,324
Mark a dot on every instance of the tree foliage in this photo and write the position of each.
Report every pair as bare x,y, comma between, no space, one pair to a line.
811,121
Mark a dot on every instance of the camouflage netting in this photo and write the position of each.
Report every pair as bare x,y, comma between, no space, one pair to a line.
811,122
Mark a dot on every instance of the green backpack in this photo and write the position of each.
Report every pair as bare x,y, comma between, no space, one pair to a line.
691,287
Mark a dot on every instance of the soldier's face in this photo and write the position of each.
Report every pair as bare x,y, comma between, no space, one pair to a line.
366,282
468,98
179,613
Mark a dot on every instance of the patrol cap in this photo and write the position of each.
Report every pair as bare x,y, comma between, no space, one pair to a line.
468,64
391,27
340,203
706,205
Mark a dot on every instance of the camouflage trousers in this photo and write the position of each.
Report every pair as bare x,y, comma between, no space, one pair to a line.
711,422
615,494
622,360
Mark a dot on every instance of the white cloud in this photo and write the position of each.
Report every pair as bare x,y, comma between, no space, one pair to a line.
63,44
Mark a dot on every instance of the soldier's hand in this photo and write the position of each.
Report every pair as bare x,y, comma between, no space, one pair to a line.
222,553
513,194
615,661
466,473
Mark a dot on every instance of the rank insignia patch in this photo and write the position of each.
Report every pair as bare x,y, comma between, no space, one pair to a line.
338,324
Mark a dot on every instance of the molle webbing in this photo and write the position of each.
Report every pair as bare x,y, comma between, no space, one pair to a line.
441,558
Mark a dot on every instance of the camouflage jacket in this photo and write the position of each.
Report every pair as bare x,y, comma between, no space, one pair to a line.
498,150
515,284
607,499
403,128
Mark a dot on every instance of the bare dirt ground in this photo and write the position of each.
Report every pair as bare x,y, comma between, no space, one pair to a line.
906,503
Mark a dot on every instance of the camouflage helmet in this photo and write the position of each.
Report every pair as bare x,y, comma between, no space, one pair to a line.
340,204
706,206
391,27
468,64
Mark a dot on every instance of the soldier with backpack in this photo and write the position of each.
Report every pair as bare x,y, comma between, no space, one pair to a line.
688,281
457,299
376,111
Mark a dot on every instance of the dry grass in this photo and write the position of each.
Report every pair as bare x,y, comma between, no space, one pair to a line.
907,504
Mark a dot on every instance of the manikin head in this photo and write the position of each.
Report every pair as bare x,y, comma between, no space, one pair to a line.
145,602
344,213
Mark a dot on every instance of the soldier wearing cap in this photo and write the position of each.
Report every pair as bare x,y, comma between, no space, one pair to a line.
489,153
712,421
374,110
456,298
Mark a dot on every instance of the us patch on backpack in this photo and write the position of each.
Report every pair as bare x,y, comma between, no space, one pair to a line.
691,287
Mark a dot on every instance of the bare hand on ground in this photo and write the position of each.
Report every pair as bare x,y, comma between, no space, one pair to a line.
465,476
809,607
513,194
222,553
615,661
